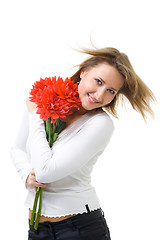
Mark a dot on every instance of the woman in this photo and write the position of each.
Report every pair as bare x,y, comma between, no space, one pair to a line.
71,208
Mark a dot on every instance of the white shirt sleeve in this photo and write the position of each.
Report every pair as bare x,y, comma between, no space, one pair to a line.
18,151
51,166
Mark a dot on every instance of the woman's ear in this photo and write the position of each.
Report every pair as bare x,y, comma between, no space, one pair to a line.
82,74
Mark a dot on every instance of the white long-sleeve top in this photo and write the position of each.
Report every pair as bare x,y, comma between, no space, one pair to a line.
67,166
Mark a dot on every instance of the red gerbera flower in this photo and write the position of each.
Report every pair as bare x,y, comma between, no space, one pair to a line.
55,97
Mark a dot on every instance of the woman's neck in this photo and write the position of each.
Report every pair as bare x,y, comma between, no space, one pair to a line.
76,114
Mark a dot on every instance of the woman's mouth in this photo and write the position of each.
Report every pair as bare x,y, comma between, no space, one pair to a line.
91,100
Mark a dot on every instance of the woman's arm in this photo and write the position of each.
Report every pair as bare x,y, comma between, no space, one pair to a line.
51,166
19,156
18,150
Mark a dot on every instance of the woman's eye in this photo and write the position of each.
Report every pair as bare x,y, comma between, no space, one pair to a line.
98,81
111,91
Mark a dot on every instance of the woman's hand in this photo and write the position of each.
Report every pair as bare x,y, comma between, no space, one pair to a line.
31,106
31,180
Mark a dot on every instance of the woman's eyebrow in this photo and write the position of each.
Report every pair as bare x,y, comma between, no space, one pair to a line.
105,83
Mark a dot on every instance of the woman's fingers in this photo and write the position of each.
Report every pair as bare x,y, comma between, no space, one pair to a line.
37,184
31,180
30,105
33,172
33,177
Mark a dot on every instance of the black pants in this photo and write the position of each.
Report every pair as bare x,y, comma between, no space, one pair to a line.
86,226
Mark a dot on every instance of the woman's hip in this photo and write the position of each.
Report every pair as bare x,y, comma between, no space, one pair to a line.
91,225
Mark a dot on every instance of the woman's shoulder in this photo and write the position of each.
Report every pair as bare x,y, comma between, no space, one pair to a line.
100,118
101,114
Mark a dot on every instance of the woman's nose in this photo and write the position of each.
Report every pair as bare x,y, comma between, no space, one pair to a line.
99,95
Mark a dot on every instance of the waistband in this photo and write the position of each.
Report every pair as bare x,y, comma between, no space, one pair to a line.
73,221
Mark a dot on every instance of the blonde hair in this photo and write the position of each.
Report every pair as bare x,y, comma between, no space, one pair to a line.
134,89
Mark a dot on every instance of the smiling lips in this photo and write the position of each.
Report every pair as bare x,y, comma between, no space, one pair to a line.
91,100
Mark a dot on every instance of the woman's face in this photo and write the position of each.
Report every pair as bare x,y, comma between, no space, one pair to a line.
99,85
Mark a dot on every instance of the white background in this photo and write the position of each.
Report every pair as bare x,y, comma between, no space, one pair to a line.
35,42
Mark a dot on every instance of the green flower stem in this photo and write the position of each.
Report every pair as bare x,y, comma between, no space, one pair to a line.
52,131
33,212
54,128
39,210
49,138
39,190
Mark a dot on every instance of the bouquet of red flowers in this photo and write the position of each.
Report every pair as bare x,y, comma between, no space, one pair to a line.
54,99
